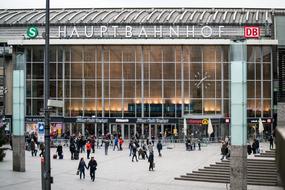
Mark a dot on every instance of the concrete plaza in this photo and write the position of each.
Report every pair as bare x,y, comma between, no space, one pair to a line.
117,171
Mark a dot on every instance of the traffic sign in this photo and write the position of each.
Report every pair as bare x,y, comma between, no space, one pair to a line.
32,32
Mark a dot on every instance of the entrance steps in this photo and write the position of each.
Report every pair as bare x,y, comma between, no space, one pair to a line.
259,172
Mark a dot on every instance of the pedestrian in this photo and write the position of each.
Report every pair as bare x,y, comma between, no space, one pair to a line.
92,142
199,144
121,141
152,139
106,143
72,148
116,140
33,147
81,168
42,148
271,142
88,149
36,149
92,165
151,161
134,152
59,151
150,147
249,149
224,150
131,147
159,147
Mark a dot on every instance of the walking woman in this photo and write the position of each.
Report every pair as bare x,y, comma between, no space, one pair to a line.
151,161
81,168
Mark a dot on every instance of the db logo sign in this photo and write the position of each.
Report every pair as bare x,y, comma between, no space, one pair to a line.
251,32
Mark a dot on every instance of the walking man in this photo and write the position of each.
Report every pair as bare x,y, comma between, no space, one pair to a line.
92,165
134,152
159,147
116,140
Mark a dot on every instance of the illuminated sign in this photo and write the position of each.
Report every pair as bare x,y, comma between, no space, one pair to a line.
251,32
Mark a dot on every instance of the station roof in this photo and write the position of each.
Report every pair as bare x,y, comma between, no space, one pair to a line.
137,16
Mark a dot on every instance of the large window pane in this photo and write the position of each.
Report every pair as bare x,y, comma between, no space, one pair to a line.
38,88
90,89
76,89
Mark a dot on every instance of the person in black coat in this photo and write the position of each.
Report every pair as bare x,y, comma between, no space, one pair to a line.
81,168
59,151
72,148
271,142
92,165
151,161
134,152
159,147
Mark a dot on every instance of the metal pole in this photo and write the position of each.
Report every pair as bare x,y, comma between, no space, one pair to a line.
47,172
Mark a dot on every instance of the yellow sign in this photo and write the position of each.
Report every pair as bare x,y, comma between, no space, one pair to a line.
205,122
175,131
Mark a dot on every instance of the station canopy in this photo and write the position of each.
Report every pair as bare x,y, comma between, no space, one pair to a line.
138,16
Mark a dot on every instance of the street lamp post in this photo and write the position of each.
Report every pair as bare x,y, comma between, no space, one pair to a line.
47,172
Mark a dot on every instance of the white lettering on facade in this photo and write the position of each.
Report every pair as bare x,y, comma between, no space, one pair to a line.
74,32
103,29
206,31
90,34
129,32
220,31
60,32
142,33
116,31
190,31
172,31
157,31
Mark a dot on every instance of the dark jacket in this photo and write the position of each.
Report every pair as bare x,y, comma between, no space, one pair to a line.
82,165
59,149
159,146
92,165
150,157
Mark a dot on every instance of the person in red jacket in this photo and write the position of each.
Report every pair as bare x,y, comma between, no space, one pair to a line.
88,148
121,141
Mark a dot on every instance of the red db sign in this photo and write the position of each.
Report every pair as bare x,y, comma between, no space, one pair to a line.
251,32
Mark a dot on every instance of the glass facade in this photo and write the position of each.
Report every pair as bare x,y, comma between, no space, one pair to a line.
145,81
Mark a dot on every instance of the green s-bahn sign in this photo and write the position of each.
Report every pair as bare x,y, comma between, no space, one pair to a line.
32,32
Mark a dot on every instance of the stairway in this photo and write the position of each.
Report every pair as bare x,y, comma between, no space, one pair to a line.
259,172
267,154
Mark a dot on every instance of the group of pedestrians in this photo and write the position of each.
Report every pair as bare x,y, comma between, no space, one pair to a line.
144,150
33,145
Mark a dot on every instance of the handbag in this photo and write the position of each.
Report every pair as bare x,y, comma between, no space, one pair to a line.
77,172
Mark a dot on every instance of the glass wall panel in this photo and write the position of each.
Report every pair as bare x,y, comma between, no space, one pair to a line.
156,71
89,53
128,70
129,89
38,54
169,89
90,89
168,54
168,71
76,54
209,89
266,52
38,105
251,108
250,71
196,71
267,108
267,89
115,89
209,54
76,107
89,70
250,89
196,106
52,89
76,89
196,54
37,89
38,71
266,71
53,71
76,71
209,106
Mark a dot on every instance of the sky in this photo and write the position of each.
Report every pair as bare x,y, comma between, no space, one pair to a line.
16,4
